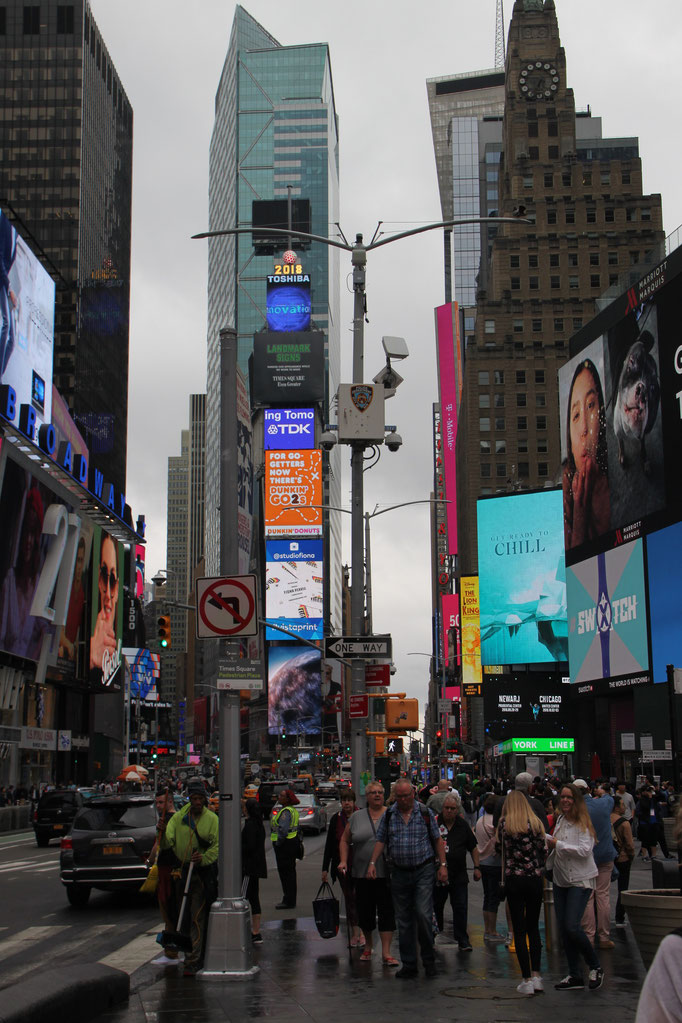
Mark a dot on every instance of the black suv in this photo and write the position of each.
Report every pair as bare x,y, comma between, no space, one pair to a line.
54,814
109,844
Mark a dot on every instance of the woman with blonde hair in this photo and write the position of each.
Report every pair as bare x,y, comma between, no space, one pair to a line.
574,876
521,838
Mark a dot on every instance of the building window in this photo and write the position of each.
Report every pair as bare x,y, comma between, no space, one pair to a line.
527,180
625,177
485,447
539,376
591,215
613,279
577,323
587,177
573,259
522,446
533,261
605,177
613,259
518,326
573,283
551,216
498,376
537,326
543,469
555,282
65,19
514,262
566,179
553,152
489,326
554,259
570,216
533,130
516,284
534,283
541,400
558,323
634,258
499,400
542,445
483,378
533,153
549,180
609,215
520,400
484,425
541,422
500,470
500,447
523,470
594,259
486,471
645,213
31,21
629,215
484,401
500,423
520,376
552,129
595,280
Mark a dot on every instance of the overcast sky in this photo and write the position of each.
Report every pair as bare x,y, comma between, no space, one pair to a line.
623,61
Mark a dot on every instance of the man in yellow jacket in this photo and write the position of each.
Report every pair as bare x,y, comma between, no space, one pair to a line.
192,834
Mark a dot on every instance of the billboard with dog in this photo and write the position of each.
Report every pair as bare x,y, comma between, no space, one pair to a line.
621,418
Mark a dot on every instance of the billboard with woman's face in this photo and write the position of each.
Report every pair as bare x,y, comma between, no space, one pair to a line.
107,611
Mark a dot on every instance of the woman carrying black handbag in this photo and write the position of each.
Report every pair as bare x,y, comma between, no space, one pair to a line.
330,864
253,863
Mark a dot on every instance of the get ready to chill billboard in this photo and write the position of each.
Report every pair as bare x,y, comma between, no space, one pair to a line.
26,323
293,493
293,588
522,578
607,617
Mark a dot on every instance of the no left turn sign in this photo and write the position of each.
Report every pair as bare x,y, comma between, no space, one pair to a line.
226,606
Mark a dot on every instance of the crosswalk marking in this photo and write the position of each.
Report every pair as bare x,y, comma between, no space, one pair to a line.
135,954
6,868
63,948
23,940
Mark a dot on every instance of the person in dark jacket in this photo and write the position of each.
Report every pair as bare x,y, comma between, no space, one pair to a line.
253,863
330,864
522,783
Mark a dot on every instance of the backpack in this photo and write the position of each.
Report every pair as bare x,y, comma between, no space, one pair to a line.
616,838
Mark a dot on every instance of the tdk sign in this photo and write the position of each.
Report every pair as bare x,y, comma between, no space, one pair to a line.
288,429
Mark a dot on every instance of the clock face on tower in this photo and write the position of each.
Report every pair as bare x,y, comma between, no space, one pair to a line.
539,80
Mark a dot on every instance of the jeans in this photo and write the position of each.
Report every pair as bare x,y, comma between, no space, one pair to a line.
412,891
623,885
459,901
524,896
569,905
599,903
490,877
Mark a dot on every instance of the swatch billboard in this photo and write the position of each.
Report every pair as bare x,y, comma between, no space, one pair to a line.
294,588
26,323
294,690
522,578
607,634
621,418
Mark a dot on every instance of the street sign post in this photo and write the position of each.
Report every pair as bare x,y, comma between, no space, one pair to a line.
378,675
358,705
358,646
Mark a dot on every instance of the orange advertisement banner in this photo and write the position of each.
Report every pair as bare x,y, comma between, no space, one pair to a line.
471,631
293,482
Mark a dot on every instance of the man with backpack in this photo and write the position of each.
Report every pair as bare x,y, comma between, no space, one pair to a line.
409,836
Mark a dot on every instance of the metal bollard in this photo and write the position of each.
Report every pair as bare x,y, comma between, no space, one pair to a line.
550,919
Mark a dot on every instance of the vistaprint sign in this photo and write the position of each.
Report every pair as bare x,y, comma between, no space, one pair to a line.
607,622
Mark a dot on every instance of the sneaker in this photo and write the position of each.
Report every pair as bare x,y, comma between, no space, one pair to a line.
525,987
596,979
405,972
537,984
570,984
494,937
257,939
509,940
465,947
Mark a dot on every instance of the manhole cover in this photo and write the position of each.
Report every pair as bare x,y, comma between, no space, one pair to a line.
482,992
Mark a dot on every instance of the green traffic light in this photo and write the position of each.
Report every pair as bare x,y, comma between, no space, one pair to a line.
163,642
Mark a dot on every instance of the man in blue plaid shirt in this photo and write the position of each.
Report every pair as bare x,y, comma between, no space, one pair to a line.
411,837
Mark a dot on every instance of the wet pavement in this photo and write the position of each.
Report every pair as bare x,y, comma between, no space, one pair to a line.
303,977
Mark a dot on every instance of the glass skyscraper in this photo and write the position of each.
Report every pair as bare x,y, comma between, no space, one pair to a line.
275,131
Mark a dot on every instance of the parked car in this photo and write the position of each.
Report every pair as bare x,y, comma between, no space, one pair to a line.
110,841
311,815
54,814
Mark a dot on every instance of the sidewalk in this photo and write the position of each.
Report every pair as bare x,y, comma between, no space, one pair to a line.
303,977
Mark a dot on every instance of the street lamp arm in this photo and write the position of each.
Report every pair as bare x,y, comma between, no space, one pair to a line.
405,504
275,230
448,223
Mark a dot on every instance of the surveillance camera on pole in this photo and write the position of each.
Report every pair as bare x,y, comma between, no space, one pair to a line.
328,440
393,440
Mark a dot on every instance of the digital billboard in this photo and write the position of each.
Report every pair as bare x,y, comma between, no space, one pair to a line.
522,578
293,588
288,369
664,567
287,303
621,427
106,625
471,632
26,323
145,671
293,493
288,429
528,703
294,690
607,634
244,476
450,390
450,604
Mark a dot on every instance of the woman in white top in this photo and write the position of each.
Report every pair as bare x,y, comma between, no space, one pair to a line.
574,874
491,869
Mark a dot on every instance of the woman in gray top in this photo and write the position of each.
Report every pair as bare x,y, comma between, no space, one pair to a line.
373,898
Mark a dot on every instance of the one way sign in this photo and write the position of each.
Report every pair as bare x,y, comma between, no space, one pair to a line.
358,646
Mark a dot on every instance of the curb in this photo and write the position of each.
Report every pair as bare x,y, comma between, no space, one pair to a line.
74,992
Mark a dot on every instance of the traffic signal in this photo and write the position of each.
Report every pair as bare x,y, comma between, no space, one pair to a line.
163,631
439,737
394,746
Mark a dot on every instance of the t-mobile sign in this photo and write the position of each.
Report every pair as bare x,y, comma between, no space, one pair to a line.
286,429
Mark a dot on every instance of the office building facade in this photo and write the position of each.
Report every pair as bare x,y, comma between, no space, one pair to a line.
66,135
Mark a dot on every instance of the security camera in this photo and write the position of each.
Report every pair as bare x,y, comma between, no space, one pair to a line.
393,668
393,441
328,440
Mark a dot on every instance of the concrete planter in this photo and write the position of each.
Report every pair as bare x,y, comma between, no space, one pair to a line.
652,915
